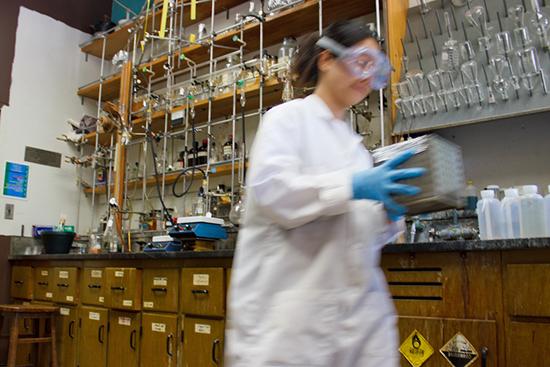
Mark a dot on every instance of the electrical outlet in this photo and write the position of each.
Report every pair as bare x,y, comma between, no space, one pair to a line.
8,211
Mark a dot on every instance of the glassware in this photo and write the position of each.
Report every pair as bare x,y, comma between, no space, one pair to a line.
500,84
405,106
450,53
477,17
470,71
287,50
530,68
521,33
418,83
435,78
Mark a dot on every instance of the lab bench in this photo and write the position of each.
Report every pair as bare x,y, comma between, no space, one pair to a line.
168,309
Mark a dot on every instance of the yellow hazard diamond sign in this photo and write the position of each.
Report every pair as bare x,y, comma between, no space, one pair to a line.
416,349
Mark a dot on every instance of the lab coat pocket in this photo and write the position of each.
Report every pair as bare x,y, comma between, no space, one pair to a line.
301,329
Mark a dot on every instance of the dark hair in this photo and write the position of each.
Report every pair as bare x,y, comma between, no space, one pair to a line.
347,33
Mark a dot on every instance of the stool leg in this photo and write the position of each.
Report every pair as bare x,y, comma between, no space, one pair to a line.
14,335
53,335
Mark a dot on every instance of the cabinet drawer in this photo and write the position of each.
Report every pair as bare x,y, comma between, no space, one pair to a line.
160,289
203,291
21,282
43,284
203,342
92,290
527,289
66,285
123,288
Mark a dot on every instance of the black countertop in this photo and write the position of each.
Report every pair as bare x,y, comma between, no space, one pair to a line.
449,246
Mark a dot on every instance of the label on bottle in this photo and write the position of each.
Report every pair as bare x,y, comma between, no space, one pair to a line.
69,298
97,273
160,281
101,299
64,311
49,295
119,274
148,304
127,303
202,329
201,154
63,274
94,316
227,150
44,273
159,328
126,321
201,279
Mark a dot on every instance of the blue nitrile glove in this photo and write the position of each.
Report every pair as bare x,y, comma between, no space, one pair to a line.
380,184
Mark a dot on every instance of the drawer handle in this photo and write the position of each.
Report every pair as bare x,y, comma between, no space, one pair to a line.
26,324
169,339
160,289
484,353
18,282
215,344
42,283
118,289
71,329
63,285
96,286
133,339
100,337
199,291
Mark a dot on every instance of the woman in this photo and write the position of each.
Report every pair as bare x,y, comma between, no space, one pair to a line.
306,287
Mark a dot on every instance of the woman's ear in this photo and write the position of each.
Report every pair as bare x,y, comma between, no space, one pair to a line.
325,61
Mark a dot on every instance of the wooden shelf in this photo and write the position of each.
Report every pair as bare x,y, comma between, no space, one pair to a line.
222,106
299,20
215,171
118,38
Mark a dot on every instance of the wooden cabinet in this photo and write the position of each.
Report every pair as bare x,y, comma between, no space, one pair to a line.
528,290
92,338
203,291
203,342
66,285
124,339
528,344
160,341
21,282
92,289
123,288
43,284
67,336
160,289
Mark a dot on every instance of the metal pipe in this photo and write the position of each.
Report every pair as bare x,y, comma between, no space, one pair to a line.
320,18
210,97
381,92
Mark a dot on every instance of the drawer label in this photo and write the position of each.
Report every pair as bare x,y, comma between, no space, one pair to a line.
148,305
158,327
63,274
49,295
64,311
101,299
126,321
119,274
44,273
202,329
201,279
127,303
70,298
160,281
94,316
97,273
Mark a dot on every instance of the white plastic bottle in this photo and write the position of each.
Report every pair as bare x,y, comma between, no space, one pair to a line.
547,212
532,221
489,215
510,211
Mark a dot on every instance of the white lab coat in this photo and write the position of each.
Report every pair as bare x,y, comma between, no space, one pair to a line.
306,287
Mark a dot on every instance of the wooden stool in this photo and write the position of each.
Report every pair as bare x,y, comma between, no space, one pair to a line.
33,312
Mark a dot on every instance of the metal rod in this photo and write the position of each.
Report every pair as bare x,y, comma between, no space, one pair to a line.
381,92
499,21
419,48
439,25
110,171
487,11
505,8
424,26
320,18
464,31
453,13
404,49
209,128
409,29
433,41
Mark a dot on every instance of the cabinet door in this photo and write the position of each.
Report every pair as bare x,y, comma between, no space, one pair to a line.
160,289
203,291
67,336
43,284
124,288
124,339
202,342
528,344
21,282
159,343
66,285
92,290
92,338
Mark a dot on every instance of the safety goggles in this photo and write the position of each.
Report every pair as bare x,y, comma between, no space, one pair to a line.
362,62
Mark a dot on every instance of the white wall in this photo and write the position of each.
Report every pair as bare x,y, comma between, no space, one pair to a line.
47,70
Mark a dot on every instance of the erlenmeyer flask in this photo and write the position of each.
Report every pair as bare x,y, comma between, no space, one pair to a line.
500,85
530,67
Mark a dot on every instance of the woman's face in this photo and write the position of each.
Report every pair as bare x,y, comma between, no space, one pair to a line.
347,88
